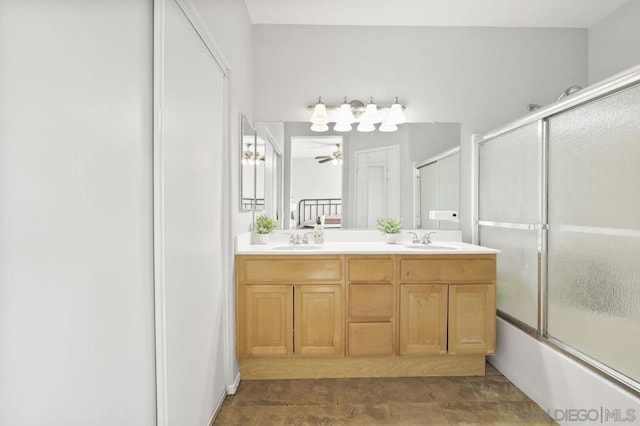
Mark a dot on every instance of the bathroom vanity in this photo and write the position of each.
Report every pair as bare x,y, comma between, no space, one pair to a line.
364,310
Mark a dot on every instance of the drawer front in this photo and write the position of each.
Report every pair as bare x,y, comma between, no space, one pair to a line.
370,339
371,301
274,269
448,270
371,270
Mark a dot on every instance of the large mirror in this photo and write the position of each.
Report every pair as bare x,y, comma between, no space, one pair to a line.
261,174
353,178
248,166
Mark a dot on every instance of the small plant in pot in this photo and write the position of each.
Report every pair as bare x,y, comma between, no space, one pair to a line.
264,225
391,228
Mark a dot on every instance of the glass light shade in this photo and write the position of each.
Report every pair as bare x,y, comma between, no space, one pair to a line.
346,114
320,115
371,114
388,126
396,115
316,127
342,127
366,126
334,162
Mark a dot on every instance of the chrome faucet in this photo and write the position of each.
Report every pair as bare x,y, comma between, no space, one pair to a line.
426,238
294,238
298,239
415,239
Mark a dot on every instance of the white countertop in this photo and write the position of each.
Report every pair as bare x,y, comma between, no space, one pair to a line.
281,246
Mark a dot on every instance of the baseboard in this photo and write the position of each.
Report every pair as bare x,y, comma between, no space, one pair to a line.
233,386
217,409
345,367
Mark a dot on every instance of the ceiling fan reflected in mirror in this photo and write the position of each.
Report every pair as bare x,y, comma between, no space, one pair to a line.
335,158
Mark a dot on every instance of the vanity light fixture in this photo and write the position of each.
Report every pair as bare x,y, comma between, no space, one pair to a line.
249,158
367,116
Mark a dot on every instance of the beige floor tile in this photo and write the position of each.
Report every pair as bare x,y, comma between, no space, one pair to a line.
497,389
302,415
366,414
251,415
418,414
490,370
456,389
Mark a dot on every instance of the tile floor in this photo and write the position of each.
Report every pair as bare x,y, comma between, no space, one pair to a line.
382,401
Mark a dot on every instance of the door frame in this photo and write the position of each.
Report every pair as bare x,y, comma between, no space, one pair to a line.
159,283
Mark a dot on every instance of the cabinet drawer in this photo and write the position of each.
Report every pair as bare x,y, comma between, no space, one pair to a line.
376,269
290,270
475,270
371,301
370,338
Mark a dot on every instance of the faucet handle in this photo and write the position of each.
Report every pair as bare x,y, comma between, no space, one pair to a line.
415,239
426,238
293,237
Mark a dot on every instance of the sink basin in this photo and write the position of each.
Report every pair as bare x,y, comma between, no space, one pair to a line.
430,247
296,247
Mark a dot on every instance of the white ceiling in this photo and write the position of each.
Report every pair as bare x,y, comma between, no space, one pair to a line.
456,13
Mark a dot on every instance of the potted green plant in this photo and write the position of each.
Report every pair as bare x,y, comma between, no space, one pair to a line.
263,226
390,227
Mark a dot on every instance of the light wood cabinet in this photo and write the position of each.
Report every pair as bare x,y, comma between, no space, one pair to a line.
319,326
472,319
423,319
371,305
364,315
447,304
266,325
288,306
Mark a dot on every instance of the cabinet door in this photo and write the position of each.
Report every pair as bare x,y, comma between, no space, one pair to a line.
319,324
472,319
423,319
268,321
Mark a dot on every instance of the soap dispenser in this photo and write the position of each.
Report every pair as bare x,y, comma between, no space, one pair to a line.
318,230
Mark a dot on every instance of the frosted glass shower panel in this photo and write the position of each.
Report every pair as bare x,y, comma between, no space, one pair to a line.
518,265
594,295
594,230
594,163
509,177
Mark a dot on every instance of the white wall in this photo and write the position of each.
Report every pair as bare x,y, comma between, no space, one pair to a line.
76,271
229,23
613,42
310,179
479,77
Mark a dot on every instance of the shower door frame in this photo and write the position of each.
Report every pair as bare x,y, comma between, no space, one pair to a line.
610,86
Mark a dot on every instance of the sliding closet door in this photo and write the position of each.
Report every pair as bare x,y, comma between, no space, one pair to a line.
594,230
510,217
188,185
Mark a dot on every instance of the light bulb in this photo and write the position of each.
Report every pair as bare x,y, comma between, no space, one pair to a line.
319,127
346,113
396,115
319,115
366,126
341,126
334,162
388,126
371,113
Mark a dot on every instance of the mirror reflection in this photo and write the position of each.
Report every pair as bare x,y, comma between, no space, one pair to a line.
249,158
354,178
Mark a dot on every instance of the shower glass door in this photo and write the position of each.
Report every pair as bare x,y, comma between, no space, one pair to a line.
594,230
510,217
